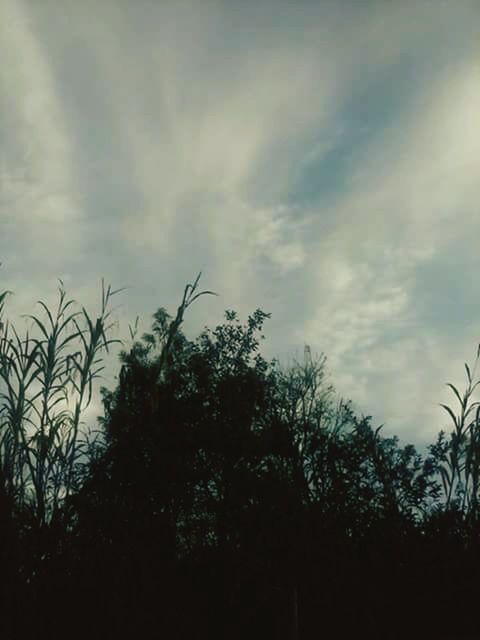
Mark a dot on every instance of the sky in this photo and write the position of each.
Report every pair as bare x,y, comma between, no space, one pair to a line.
319,160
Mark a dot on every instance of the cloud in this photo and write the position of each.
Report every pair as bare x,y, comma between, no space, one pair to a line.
318,161
410,201
36,182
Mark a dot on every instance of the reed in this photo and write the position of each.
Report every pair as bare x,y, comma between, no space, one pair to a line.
459,457
46,384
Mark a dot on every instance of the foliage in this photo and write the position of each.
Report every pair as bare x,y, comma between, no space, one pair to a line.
40,437
224,495
458,458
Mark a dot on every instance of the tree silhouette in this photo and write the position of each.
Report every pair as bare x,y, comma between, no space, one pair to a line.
222,495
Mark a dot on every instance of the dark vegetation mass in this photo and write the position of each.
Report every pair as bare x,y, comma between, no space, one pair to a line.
220,496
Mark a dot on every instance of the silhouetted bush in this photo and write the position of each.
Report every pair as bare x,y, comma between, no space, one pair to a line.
223,497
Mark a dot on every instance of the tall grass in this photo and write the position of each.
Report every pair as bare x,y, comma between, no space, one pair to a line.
45,384
459,457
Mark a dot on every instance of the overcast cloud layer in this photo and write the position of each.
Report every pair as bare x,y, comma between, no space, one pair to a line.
318,160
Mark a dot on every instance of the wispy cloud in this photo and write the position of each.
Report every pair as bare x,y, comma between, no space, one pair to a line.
37,186
319,161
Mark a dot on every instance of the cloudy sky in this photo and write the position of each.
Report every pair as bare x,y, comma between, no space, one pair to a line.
319,160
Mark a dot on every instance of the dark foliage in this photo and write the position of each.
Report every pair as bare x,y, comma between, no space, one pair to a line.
227,497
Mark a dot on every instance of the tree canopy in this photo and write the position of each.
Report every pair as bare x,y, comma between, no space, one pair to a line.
223,495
